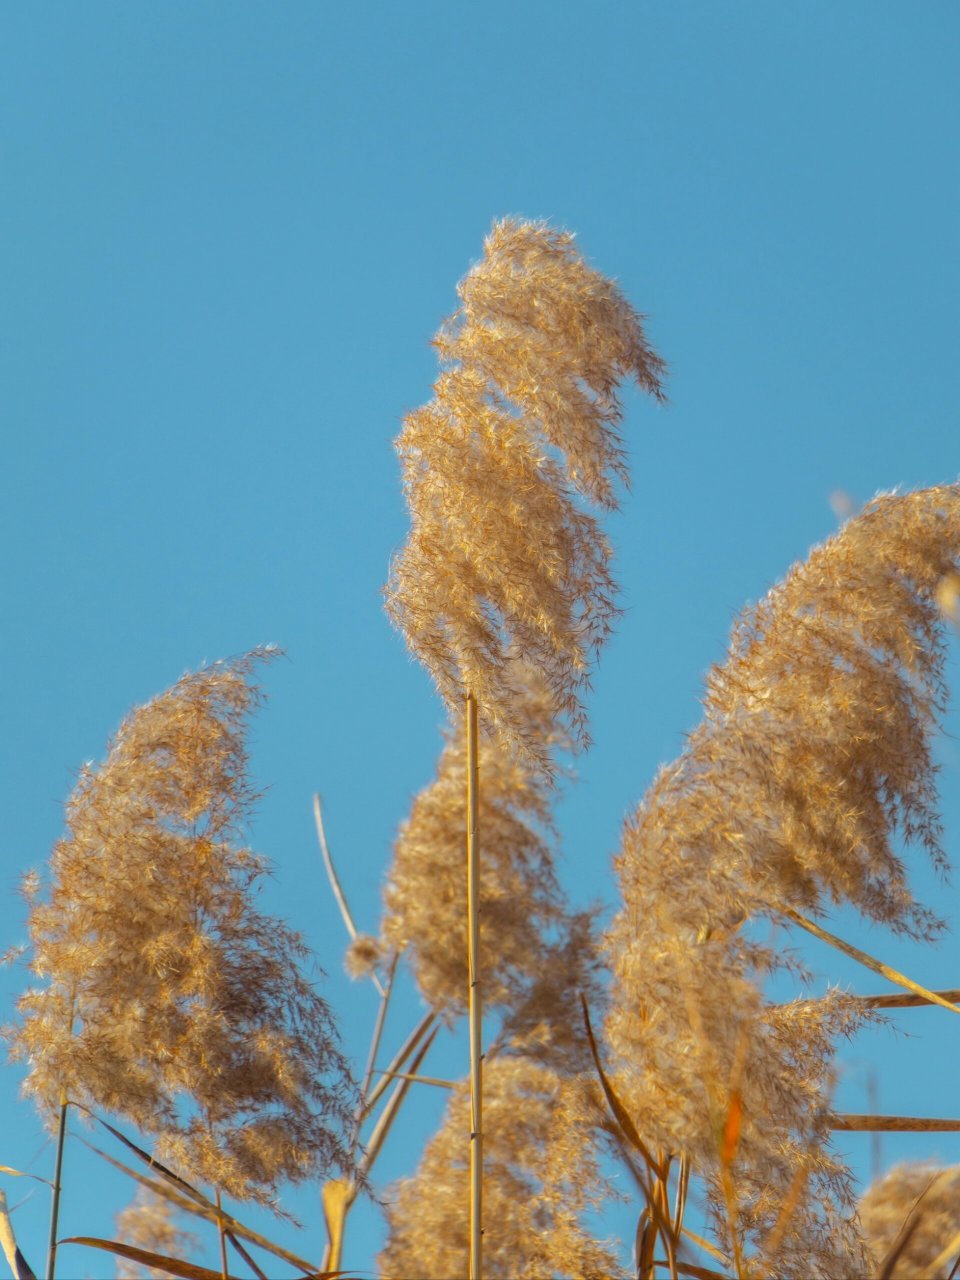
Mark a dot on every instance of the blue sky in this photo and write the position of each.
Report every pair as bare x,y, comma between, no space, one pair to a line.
228,233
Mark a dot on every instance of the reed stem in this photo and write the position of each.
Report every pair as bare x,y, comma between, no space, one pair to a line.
223,1238
475,998
55,1205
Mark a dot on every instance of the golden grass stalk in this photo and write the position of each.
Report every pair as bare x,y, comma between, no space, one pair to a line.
870,962
847,1123
475,1003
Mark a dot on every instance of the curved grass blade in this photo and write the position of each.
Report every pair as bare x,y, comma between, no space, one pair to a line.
261,1275
401,1056
868,961
208,1210
19,1173
389,1113
173,1266
620,1112
18,1263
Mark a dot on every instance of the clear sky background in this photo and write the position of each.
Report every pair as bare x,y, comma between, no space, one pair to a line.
228,234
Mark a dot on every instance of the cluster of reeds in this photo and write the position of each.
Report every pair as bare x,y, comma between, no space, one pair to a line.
648,1063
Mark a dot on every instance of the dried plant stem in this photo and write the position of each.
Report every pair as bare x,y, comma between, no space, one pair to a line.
869,961
475,997
892,1124
223,1238
335,884
55,1204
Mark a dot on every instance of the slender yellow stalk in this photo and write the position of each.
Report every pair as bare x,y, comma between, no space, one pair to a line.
223,1238
475,996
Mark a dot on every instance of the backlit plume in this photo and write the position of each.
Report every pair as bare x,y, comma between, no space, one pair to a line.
541,1176
930,1197
163,995
503,562
425,899
812,762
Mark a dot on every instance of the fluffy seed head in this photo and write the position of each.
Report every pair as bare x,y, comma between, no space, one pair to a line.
503,563
164,996
813,759
540,1177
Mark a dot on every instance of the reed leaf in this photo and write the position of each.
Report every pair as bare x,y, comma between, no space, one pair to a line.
869,961
18,1264
206,1209
173,1266
892,1124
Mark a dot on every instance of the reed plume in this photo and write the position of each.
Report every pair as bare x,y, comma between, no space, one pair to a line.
425,897
541,1176
503,563
812,761
921,1202
164,995
149,1222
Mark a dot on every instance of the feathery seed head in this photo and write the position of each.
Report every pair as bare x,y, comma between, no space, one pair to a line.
540,1177
167,998
813,757
503,564
887,1204
425,902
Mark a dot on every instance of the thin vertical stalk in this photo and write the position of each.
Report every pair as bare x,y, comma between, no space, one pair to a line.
55,1205
223,1238
475,996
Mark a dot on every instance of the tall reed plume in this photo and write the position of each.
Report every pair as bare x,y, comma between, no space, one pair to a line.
503,562
542,1177
812,762
164,996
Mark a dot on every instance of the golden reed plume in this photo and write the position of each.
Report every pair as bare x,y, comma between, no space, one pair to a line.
813,759
164,996
541,1176
503,564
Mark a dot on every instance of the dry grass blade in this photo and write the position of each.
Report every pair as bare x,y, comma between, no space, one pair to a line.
690,1269
165,1173
892,1124
403,1053
870,962
620,1113
406,1075
907,1230
335,884
172,1266
336,1198
18,1264
908,1002
389,1113
706,1246
18,1173
797,1187
206,1209
244,1254
942,1258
